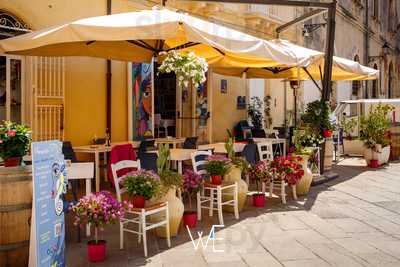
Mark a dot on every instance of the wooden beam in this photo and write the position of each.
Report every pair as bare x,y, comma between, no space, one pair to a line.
300,19
274,2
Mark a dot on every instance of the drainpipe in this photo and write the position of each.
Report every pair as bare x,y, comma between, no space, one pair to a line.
108,85
366,46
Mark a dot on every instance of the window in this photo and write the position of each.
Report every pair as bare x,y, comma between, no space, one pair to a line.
390,81
375,86
355,86
375,12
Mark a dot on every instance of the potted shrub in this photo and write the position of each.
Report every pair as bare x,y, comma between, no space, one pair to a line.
192,183
260,173
171,181
99,209
254,111
352,145
317,116
373,131
303,150
217,166
288,169
14,142
141,185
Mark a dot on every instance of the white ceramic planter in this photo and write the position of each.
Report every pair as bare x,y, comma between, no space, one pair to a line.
353,147
382,155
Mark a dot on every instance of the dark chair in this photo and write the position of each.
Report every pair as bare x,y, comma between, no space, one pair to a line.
148,161
147,145
190,143
250,153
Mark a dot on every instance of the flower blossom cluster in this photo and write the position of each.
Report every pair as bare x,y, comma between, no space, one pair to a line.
188,68
191,182
98,209
287,168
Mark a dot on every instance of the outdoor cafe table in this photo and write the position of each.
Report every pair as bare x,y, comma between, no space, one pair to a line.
179,155
96,150
171,140
220,147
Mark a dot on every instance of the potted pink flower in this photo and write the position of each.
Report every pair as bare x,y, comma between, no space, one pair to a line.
192,183
99,209
217,166
260,173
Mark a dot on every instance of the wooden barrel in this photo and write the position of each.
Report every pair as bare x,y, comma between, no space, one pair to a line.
15,215
328,157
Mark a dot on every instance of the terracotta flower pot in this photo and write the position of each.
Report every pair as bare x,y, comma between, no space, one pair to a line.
12,162
216,179
327,133
259,200
96,251
138,201
190,219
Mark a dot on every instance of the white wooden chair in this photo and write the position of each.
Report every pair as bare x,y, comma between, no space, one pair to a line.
136,215
266,153
214,199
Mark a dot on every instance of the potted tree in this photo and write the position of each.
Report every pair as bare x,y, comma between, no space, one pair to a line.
171,181
99,209
260,173
373,131
192,183
254,111
352,145
217,166
141,185
14,142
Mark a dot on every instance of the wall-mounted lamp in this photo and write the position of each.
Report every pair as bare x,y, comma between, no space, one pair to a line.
309,28
385,51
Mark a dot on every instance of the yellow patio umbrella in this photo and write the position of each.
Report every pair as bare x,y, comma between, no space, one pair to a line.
139,36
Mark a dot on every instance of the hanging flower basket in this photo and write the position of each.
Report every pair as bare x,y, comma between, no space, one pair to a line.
188,68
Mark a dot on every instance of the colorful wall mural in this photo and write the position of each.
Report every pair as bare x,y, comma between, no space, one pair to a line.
142,95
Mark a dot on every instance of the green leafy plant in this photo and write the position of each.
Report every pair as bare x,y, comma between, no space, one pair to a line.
373,128
316,116
254,112
168,177
14,139
348,126
307,137
141,183
239,162
217,165
164,158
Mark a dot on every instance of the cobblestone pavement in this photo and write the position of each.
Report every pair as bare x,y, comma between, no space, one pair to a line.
353,220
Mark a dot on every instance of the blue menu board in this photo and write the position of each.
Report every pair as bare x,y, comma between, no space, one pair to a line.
49,185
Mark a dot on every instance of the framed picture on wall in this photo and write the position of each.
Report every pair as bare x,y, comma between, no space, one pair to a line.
224,86
241,102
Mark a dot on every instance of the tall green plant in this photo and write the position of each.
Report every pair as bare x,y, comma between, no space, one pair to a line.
164,158
373,127
267,111
316,116
168,177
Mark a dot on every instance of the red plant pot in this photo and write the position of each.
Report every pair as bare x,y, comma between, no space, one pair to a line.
12,162
96,251
138,201
327,133
259,200
374,163
190,219
216,179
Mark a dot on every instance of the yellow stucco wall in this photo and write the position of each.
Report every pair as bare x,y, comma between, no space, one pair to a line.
225,115
85,92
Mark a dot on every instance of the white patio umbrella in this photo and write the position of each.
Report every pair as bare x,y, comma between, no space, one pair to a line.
138,36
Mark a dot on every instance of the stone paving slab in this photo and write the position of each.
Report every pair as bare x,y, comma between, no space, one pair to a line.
353,220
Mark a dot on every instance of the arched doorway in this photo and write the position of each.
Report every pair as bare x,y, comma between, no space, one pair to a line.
11,71
374,89
390,81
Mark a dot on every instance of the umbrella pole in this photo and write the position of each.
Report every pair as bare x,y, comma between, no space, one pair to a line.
108,85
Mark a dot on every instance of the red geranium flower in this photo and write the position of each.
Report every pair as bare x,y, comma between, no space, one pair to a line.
11,133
